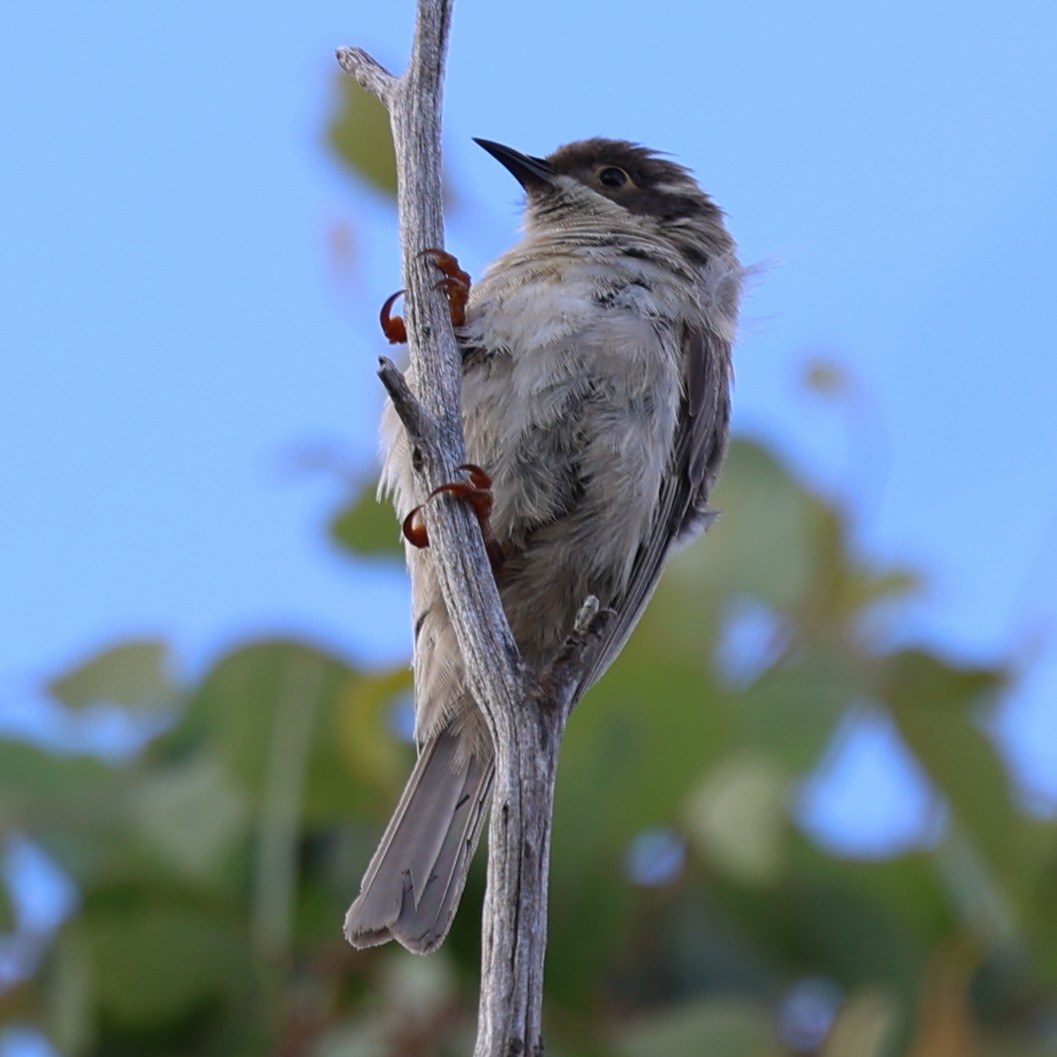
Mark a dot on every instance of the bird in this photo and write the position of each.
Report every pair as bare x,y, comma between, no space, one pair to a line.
596,396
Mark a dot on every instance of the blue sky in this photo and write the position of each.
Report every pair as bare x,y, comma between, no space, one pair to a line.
178,331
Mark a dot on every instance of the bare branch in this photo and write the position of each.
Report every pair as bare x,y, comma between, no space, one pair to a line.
368,73
514,929
489,654
525,717
560,682
417,423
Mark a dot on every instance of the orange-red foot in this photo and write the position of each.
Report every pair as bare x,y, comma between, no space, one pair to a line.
477,491
455,284
393,326
456,287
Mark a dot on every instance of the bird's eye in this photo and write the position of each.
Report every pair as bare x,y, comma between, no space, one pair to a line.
611,176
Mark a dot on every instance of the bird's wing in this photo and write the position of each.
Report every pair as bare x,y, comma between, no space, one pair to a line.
682,504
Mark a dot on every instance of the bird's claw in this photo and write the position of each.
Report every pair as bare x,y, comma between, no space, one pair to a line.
455,285
393,326
477,491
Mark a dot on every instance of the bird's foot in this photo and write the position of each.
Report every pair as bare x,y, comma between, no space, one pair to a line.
477,491
393,326
455,284
456,287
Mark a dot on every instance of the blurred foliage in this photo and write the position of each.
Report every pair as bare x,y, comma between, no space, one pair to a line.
365,526
690,914
213,866
358,133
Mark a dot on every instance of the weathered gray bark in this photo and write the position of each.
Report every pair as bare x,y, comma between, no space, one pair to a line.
526,715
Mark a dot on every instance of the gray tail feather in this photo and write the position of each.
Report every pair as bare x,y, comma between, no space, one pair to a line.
414,882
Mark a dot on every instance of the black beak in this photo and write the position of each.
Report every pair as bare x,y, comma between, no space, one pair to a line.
531,173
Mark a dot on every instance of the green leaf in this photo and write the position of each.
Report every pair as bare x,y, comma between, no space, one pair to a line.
738,818
152,962
7,907
69,992
825,925
278,713
588,926
36,786
192,814
718,1028
367,526
353,1038
937,707
359,134
827,378
132,674
767,539
635,744
864,1027
913,681
791,712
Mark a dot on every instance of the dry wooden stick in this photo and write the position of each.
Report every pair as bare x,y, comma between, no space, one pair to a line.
526,715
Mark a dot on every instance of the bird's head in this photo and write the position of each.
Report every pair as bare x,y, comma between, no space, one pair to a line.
613,183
